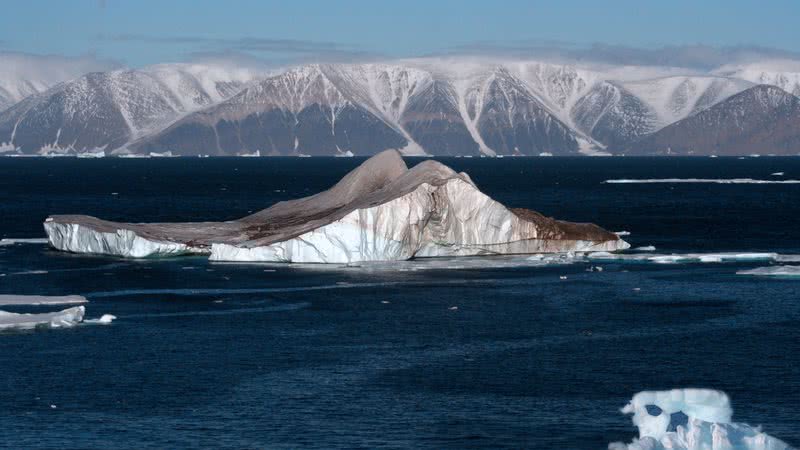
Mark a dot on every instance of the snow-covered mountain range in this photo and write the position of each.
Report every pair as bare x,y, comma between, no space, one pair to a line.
450,106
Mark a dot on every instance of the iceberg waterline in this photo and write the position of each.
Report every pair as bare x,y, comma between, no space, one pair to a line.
691,419
380,211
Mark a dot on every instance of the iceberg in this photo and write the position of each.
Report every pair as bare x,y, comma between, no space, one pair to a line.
61,319
6,299
691,419
380,211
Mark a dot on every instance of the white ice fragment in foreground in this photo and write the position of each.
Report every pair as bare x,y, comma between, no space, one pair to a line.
6,299
61,319
646,248
622,233
706,423
777,174
774,271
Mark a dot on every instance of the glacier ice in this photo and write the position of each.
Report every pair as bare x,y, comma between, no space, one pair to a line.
380,211
691,419
60,319
8,299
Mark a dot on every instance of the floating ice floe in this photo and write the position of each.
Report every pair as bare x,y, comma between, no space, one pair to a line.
777,174
380,211
6,299
700,180
645,248
12,241
61,319
773,271
685,257
622,233
691,419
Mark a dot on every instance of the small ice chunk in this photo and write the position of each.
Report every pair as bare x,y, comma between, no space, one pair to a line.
777,174
105,319
8,299
622,233
646,248
61,319
668,259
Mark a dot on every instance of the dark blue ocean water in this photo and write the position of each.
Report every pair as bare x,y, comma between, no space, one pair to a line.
278,356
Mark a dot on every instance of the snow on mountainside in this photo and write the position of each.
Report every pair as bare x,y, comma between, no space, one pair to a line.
22,75
105,110
761,120
437,106
367,108
675,98
783,74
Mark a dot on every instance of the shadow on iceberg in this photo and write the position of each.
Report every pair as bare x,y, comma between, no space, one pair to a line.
380,211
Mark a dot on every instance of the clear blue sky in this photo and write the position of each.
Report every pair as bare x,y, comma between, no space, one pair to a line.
145,31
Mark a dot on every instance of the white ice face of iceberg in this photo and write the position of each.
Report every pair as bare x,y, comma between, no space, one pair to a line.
61,319
706,423
80,239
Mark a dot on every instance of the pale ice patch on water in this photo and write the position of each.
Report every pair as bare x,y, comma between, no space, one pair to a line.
622,233
12,241
691,419
11,299
60,319
699,180
773,271
645,248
